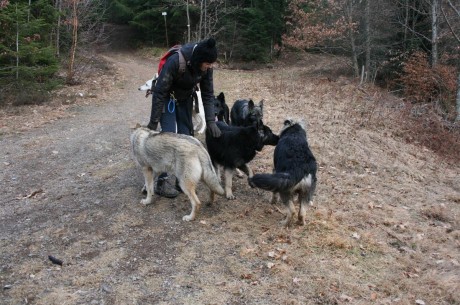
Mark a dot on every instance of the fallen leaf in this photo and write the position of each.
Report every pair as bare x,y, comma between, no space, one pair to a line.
373,296
346,298
248,251
247,276
270,265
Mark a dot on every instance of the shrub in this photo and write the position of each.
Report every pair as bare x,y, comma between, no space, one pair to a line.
422,83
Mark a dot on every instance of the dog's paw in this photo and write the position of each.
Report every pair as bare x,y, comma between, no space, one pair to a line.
146,201
188,217
287,221
230,197
239,173
250,183
302,221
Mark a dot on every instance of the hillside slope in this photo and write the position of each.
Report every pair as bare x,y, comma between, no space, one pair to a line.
384,228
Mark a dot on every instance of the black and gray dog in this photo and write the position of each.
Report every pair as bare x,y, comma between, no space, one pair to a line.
294,173
246,113
221,109
235,148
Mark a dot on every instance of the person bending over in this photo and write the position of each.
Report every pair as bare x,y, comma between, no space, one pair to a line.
172,101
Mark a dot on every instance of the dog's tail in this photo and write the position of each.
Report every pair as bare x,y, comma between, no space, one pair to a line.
273,182
209,174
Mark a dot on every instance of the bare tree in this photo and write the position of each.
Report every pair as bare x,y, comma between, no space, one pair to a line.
17,43
85,22
58,26
367,33
434,32
73,48
349,13
188,23
451,14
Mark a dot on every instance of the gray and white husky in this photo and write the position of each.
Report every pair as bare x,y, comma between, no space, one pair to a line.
181,155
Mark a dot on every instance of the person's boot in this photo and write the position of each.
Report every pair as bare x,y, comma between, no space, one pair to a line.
164,188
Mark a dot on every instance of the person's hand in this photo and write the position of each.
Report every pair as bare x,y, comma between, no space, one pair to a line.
152,125
215,131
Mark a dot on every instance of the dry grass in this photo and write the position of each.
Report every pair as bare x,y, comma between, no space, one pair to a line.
384,228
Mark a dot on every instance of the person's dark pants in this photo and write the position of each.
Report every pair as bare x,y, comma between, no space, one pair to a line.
180,115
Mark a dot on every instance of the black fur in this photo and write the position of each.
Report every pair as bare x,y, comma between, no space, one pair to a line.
246,113
235,148
221,109
294,165
238,145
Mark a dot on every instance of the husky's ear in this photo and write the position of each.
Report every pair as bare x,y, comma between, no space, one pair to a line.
261,104
137,126
221,97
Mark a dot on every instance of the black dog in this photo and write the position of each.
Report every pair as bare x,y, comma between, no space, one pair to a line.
295,171
246,113
221,109
235,147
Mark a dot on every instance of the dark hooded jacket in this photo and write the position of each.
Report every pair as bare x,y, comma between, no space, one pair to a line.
181,85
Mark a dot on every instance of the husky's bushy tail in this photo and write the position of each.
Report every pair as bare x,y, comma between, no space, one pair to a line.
209,174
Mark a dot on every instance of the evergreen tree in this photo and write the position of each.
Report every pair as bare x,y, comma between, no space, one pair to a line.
26,56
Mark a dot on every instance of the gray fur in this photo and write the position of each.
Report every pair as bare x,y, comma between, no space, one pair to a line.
181,155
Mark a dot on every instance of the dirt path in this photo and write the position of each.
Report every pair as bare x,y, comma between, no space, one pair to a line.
385,229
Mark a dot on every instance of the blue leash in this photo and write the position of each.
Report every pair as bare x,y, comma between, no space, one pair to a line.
171,106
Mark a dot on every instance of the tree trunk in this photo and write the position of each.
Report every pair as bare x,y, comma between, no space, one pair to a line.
28,12
188,23
58,26
458,98
354,53
17,43
406,24
205,20
201,21
434,32
73,48
368,41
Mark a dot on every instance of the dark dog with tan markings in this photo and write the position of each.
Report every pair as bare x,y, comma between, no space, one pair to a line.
235,148
294,173
221,109
246,113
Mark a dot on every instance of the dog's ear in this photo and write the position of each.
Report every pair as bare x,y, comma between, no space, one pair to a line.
221,97
261,104
251,104
136,126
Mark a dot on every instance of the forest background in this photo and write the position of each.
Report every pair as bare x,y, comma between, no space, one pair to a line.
410,47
